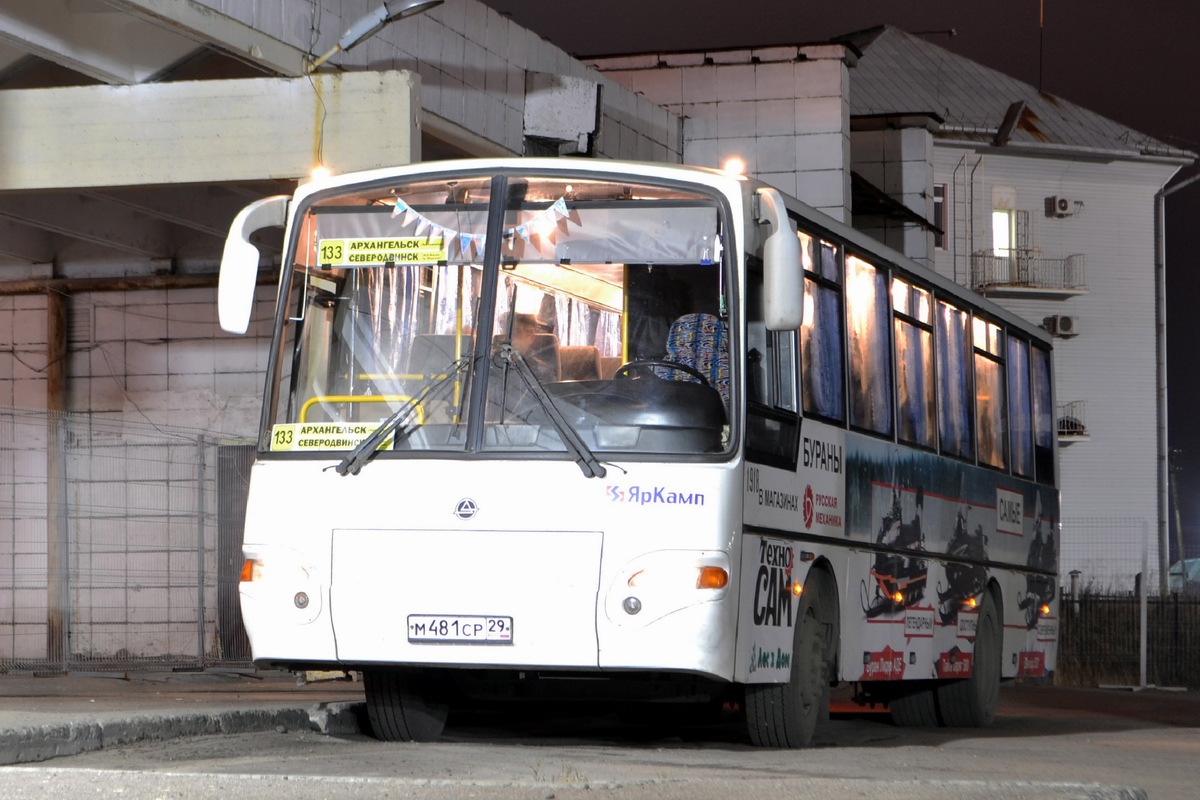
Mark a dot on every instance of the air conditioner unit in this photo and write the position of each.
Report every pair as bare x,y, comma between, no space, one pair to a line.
1059,206
1062,325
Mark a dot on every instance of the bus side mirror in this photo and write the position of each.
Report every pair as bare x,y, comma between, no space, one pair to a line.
239,262
783,290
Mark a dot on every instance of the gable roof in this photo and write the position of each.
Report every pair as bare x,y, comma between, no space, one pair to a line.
902,74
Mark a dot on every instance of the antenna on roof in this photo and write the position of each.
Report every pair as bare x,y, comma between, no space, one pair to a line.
1041,38
948,32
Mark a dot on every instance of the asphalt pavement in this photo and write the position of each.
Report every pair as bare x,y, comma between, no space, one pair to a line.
42,718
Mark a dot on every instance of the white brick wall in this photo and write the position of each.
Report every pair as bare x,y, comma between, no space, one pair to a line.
472,61
786,117
898,162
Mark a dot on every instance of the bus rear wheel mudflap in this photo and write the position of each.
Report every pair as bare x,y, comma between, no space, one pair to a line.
405,705
788,714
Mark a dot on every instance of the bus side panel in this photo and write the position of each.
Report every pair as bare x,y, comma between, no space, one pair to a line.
772,571
941,532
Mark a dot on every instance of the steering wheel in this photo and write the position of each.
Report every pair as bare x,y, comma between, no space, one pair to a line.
627,370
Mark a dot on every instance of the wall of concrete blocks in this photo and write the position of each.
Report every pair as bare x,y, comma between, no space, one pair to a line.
782,110
473,63
899,162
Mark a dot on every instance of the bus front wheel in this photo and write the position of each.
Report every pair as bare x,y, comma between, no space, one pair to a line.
787,714
404,706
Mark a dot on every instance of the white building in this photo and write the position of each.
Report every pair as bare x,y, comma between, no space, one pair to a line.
135,129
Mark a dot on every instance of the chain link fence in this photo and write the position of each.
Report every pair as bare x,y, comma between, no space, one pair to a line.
120,545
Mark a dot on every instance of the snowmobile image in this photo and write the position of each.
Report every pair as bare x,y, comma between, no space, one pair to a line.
1039,589
964,582
900,577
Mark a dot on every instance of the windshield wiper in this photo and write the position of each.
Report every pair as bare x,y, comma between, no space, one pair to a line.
368,447
584,457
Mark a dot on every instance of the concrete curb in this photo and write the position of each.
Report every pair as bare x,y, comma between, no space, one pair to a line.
44,742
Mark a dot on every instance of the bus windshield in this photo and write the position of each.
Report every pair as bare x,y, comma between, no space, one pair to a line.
612,293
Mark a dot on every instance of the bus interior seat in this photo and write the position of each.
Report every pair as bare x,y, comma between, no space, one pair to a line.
609,366
700,341
579,362
542,356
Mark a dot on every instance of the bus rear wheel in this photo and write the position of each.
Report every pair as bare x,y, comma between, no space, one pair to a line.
404,706
916,707
972,702
787,714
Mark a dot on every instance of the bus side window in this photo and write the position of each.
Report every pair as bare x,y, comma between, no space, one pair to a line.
990,394
914,363
955,391
1044,428
772,420
1020,413
822,376
867,304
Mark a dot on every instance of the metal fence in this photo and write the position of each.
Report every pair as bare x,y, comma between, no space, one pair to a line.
1028,269
120,544
1120,623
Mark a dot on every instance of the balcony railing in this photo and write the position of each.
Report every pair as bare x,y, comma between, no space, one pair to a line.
1027,272
1072,422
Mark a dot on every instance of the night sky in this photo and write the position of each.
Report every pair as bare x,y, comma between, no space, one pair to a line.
1132,62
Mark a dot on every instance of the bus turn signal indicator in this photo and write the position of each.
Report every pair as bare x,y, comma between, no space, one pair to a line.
251,570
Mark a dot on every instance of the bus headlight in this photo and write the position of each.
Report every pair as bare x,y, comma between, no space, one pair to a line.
656,584
277,577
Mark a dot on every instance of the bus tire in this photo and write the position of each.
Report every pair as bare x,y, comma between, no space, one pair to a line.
402,711
972,702
915,707
787,714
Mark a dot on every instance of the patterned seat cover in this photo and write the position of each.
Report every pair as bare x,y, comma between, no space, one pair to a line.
700,341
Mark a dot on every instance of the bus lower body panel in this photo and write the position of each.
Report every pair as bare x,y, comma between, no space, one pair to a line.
537,600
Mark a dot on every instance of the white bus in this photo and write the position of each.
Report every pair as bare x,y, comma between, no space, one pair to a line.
539,428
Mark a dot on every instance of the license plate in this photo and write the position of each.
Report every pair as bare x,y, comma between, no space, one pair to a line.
460,629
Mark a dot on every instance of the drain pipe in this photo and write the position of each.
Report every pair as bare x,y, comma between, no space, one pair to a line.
1160,331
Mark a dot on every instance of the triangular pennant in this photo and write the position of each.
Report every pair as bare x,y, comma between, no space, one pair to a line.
401,207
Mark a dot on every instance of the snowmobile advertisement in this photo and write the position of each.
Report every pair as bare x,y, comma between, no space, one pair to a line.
934,534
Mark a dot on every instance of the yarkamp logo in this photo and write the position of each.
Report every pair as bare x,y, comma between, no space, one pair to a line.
653,495
466,508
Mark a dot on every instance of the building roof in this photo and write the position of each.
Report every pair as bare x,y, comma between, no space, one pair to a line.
902,74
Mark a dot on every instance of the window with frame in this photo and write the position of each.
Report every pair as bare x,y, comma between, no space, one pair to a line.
1044,428
915,383
1020,409
955,391
1003,232
939,215
823,383
867,301
772,414
991,434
